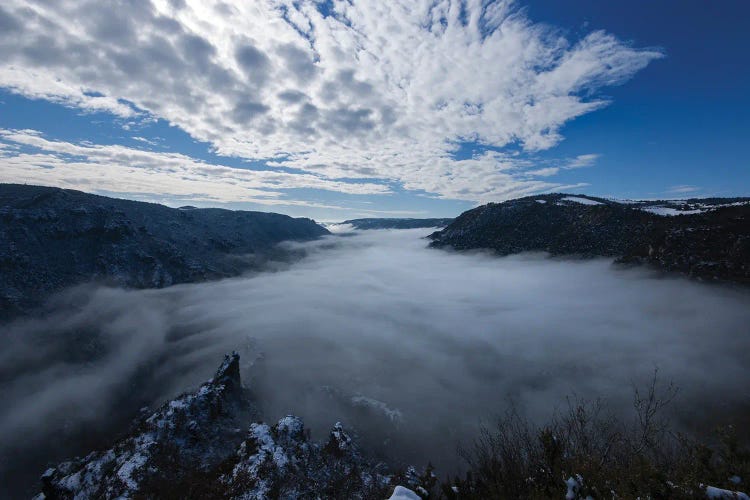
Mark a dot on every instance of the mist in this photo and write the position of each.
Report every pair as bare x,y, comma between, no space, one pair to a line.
409,346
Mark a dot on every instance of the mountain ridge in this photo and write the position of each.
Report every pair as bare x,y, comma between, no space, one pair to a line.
56,238
707,239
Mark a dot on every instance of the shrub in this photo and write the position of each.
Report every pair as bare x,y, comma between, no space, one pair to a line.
585,452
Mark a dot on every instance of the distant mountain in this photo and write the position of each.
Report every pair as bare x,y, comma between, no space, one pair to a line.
375,223
703,238
54,238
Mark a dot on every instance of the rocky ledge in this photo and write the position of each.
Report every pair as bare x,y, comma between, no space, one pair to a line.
194,447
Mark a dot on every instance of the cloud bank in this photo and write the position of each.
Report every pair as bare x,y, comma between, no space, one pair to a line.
411,346
340,91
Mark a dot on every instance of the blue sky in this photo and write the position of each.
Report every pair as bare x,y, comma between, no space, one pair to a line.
342,110
684,119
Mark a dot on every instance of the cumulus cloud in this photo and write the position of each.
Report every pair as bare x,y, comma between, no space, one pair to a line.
355,90
409,345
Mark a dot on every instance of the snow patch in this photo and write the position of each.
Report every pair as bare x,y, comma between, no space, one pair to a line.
669,211
401,493
572,485
290,425
125,473
582,201
714,492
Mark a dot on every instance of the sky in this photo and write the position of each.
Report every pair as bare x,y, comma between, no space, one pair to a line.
339,109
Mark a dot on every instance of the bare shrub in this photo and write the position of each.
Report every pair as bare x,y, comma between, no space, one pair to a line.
584,451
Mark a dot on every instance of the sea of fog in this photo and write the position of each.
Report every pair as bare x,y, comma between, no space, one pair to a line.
412,347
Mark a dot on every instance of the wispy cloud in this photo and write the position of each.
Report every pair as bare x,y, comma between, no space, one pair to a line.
145,141
365,90
582,161
27,155
682,189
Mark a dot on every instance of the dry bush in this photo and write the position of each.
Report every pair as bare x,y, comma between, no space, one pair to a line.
600,455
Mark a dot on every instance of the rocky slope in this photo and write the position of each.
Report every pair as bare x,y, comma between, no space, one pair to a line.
54,238
375,223
200,446
702,238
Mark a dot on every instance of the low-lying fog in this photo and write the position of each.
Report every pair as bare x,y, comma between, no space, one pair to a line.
411,346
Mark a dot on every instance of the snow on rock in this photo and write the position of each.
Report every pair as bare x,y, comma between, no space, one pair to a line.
193,445
575,488
280,462
401,493
193,429
685,207
669,211
339,441
714,492
582,201
541,201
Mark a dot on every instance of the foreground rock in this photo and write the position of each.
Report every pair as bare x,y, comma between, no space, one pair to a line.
54,238
707,239
199,446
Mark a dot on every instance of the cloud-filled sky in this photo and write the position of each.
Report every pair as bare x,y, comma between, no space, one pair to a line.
345,108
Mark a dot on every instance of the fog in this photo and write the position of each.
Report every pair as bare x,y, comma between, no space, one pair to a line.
412,347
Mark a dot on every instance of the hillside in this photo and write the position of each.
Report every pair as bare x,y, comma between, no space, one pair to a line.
54,238
702,238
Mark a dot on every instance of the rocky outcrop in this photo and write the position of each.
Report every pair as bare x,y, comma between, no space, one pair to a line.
707,239
54,238
194,447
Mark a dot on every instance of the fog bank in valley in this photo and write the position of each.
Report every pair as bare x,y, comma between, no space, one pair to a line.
410,346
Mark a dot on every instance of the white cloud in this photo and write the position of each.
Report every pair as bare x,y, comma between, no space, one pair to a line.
25,154
582,161
145,141
682,189
378,90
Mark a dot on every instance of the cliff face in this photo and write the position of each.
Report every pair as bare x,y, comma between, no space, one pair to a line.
200,446
54,238
706,239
